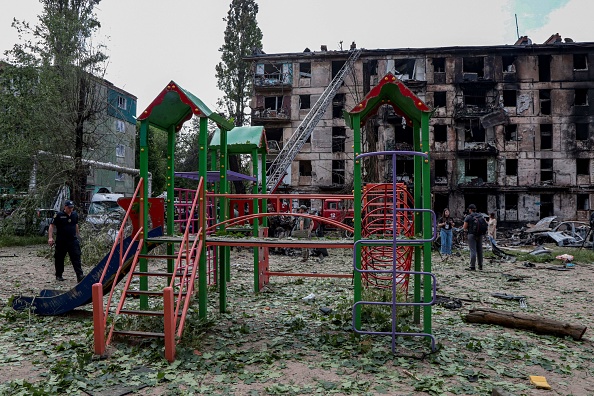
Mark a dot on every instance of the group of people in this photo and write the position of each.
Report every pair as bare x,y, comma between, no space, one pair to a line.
67,237
446,226
309,228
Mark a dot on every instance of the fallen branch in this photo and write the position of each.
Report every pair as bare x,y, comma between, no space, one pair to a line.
534,323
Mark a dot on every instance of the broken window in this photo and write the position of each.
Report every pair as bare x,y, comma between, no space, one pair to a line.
545,101
580,61
372,67
511,132
338,139
274,137
546,136
273,74
403,135
305,168
511,167
582,166
441,172
508,64
338,105
475,97
546,205
583,201
404,69
546,170
511,201
509,98
273,71
273,103
440,133
305,69
581,97
441,201
338,171
439,99
544,68
438,65
474,132
473,68
404,169
336,66
476,168
304,101
582,131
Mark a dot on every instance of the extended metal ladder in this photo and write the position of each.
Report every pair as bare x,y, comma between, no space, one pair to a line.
278,168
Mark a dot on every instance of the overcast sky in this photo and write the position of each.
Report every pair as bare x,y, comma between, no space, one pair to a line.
151,42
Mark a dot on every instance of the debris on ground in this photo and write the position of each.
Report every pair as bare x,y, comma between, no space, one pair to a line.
540,382
540,250
504,296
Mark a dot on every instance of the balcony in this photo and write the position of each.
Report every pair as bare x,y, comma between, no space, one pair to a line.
261,115
477,149
273,81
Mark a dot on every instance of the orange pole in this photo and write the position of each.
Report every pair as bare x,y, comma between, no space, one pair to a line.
169,324
98,325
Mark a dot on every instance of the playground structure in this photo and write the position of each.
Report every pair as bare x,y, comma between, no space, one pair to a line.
393,228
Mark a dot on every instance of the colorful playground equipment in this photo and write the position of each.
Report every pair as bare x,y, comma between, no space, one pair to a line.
392,92
393,226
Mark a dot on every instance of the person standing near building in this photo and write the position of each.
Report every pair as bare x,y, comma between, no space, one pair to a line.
305,226
446,224
492,232
67,240
592,228
475,241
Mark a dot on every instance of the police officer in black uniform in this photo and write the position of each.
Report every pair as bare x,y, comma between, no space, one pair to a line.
66,225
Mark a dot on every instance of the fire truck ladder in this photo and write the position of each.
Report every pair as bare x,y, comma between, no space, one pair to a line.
277,170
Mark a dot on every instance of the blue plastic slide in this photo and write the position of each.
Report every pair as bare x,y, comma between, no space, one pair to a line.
56,302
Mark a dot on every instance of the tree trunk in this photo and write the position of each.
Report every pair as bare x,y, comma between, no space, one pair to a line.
234,166
80,174
534,323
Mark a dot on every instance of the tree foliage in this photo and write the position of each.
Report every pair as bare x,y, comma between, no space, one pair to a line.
59,101
157,157
242,38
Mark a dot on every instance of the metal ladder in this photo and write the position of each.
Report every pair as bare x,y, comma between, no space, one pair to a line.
276,172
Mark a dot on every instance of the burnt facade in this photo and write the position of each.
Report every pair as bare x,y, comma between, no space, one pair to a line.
512,129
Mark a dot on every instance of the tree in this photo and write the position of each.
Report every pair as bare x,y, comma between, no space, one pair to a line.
157,153
64,98
242,37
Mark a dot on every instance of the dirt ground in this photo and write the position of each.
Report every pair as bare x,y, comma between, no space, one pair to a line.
276,343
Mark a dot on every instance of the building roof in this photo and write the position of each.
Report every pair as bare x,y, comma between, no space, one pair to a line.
174,106
389,91
242,140
568,45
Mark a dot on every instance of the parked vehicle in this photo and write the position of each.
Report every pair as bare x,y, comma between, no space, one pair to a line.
104,210
44,217
338,210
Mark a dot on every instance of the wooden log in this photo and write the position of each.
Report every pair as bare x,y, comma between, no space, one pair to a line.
534,323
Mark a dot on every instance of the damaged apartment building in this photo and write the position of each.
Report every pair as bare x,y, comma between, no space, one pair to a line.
511,131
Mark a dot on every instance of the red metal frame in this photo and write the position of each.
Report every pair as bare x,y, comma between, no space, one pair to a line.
378,206
99,313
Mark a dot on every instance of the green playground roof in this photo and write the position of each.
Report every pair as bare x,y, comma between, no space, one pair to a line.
242,140
389,91
174,106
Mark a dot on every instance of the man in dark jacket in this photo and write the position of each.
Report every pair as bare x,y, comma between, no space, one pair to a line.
67,240
475,242
592,228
